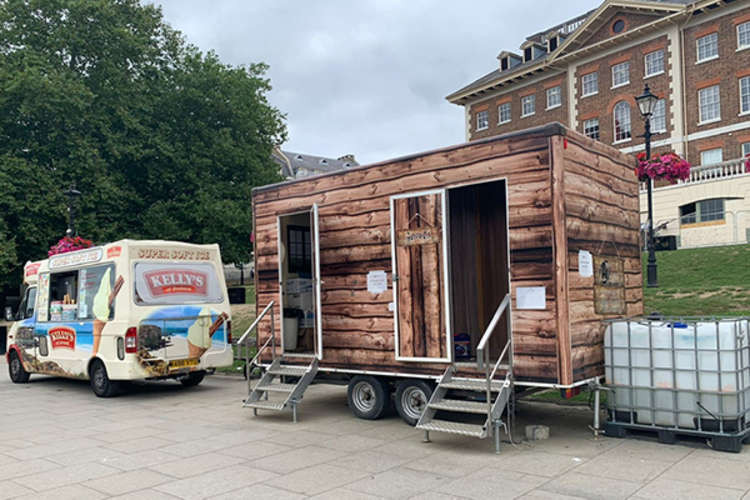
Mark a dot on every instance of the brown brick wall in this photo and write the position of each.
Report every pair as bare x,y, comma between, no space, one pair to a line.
540,117
601,105
724,71
631,21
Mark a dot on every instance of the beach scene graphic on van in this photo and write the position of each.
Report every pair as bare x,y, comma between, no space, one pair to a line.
179,332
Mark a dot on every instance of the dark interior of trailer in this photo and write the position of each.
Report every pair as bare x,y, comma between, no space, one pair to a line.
478,265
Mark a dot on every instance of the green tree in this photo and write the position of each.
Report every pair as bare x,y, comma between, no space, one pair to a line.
163,140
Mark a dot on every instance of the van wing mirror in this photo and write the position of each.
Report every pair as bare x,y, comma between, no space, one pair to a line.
9,313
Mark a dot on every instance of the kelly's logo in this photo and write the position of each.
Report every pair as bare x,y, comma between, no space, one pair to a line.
176,281
62,337
32,269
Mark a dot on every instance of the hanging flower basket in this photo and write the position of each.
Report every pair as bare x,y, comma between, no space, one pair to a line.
669,167
68,244
747,163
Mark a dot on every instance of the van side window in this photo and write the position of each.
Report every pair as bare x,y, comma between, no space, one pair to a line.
95,284
63,296
26,309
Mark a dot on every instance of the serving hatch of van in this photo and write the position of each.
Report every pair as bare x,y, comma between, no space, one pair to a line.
126,310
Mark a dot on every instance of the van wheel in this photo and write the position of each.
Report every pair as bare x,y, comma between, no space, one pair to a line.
193,379
17,372
367,397
411,398
100,382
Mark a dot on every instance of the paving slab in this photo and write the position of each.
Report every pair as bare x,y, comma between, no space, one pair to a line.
202,444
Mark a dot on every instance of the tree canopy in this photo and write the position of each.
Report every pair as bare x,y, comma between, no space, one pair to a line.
164,141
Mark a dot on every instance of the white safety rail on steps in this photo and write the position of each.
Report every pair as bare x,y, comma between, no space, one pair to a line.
275,378
496,394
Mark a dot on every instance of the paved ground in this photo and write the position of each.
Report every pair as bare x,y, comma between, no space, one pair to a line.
162,441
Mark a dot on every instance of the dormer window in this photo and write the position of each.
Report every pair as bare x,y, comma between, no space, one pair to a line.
527,54
504,63
552,44
323,161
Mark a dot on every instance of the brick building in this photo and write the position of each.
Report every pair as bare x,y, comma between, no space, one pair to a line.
694,55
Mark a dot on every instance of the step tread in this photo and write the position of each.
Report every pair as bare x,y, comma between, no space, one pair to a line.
471,384
276,387
437,425
460,406
292,371
265,405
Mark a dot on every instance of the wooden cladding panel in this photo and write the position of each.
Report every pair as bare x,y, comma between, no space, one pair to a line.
602,217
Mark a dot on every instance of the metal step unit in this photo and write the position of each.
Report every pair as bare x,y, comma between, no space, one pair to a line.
285,395
464,398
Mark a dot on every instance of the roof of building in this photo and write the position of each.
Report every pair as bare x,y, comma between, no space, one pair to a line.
568,30
303,164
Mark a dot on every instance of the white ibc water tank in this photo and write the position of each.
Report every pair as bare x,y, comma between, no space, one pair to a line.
670,372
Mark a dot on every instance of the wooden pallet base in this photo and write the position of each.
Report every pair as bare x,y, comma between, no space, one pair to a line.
726,442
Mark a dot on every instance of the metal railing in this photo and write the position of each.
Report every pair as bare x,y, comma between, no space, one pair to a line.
705,173
249,364
483,355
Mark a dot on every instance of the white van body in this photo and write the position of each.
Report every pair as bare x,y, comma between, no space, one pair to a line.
144,309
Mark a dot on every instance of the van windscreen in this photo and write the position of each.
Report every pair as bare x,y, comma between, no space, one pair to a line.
183,283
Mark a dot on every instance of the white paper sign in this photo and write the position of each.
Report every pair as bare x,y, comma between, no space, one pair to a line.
585,264
391,306
377,282
531,297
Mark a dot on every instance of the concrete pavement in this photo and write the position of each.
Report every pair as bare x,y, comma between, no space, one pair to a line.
57,440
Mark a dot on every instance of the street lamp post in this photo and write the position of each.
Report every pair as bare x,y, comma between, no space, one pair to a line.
646,103
72,193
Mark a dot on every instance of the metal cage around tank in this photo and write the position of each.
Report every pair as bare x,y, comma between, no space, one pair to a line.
686,375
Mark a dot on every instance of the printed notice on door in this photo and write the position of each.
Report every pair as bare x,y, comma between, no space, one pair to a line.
377,282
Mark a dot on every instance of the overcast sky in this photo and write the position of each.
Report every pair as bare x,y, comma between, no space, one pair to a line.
367,77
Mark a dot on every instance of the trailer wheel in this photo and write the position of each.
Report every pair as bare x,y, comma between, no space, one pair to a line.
102,386
411,398
17,372
368,397
193,379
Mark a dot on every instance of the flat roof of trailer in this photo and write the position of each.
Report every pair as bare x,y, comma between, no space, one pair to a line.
548,130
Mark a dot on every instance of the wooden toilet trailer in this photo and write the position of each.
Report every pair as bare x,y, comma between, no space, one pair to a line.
447,277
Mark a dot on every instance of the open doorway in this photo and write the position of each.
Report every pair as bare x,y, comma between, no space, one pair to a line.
479,266
298,271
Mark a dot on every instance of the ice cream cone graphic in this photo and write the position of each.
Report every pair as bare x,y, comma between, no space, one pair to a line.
200,333
103,301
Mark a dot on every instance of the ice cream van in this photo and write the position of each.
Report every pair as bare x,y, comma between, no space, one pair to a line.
128,310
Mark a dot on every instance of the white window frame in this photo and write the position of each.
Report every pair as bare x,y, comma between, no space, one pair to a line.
745,148
551,92
524,100
698,59
629,123
595,74
587,124
500,120
719,152
614,69
654,128
646,63
701,119
744,105
740,46
486,120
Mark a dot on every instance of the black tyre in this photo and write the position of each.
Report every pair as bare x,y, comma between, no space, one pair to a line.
193,379
411,399
368,397
100,382
17,372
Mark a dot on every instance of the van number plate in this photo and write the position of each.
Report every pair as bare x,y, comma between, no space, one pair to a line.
178,364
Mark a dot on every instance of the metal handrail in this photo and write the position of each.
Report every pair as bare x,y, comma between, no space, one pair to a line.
490,329
483,355
271,339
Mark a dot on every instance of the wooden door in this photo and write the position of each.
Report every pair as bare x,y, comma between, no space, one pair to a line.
420,296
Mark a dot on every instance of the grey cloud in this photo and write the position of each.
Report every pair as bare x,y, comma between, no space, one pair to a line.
366,77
